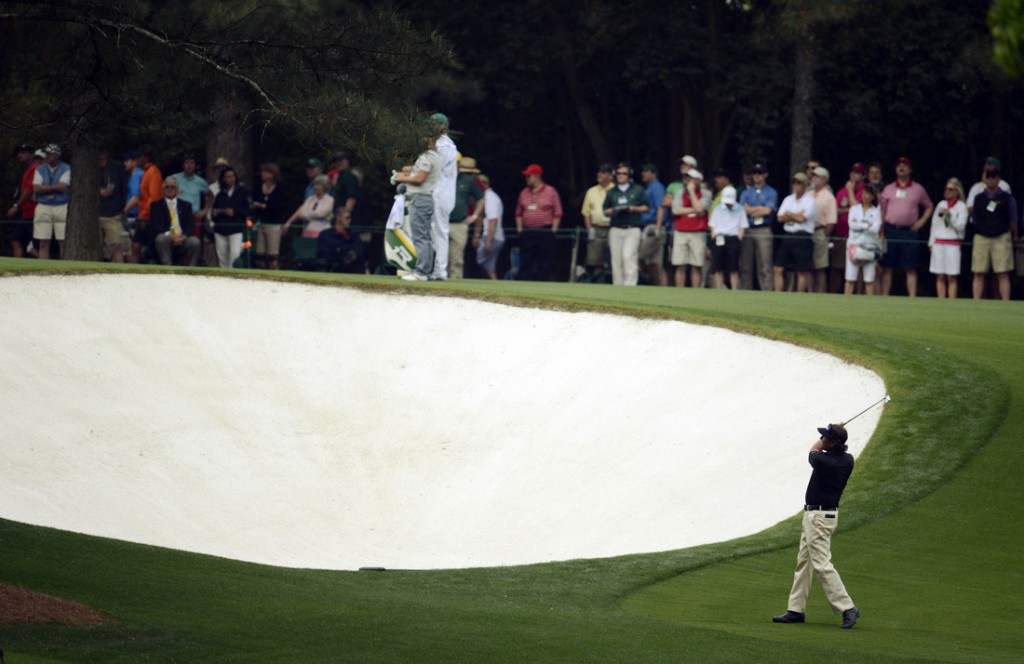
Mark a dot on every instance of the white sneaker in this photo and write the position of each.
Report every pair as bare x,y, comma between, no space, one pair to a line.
414,277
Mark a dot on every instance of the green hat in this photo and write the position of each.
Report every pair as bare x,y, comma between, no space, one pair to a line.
994,161
440,118
649,167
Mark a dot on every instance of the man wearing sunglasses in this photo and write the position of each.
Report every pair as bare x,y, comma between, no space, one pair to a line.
624,204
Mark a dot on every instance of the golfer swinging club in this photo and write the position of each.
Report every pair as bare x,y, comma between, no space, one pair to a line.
832,466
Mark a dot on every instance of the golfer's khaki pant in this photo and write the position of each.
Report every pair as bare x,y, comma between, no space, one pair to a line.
815,555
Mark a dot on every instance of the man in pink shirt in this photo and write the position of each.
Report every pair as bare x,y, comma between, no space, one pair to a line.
538,214
906,208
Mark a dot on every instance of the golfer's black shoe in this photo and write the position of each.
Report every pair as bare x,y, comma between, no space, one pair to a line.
790,617
850,617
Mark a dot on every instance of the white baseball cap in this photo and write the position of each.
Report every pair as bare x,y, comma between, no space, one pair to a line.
729,195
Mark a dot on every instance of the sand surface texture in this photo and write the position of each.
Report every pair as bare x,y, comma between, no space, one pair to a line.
322,427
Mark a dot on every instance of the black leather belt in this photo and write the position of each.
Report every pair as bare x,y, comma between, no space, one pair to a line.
819,508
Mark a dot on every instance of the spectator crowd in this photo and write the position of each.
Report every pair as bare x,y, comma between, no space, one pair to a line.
184,219
853,234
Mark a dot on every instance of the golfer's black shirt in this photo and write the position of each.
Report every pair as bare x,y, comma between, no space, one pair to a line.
828,479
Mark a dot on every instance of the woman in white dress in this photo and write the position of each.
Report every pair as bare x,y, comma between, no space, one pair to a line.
949,222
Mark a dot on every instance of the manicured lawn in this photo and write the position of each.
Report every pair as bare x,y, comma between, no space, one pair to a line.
927,543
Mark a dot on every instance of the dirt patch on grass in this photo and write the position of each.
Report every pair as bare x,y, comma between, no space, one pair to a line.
20,606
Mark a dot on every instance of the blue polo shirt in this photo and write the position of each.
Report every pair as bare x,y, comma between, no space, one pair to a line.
655,195
134,188
192,190
767,197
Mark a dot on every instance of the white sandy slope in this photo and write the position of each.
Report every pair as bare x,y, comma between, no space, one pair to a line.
321,427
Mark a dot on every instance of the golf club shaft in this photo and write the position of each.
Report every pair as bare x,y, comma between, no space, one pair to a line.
883,399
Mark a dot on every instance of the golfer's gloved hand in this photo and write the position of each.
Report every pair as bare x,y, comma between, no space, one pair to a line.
393,180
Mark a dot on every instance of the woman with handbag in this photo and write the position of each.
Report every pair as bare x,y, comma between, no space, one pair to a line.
864,245
949,221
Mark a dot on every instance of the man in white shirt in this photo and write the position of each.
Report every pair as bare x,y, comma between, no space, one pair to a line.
489,235
444,195
796,249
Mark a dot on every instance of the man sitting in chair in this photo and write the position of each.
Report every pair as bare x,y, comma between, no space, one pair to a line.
338,249
172,224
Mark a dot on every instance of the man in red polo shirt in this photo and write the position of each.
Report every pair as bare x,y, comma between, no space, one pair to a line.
24,208
538,214
906,208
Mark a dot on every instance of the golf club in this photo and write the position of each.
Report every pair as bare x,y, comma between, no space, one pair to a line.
885,399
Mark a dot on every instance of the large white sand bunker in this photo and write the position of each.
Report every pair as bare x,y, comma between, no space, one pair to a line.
312,426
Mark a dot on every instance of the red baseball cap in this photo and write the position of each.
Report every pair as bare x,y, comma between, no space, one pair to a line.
859,168
904,160
533,169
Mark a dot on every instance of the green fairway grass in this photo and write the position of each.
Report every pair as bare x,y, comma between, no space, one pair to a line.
927,543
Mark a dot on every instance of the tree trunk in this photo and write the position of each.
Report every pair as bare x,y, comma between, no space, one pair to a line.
82,240
229,138
570,73
802,140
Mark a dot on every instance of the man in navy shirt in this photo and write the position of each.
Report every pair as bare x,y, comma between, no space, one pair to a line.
832,466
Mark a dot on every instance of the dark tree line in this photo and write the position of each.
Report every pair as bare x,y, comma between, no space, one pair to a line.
571,84
566,83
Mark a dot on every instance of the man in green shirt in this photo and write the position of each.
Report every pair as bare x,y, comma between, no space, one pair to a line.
459,221
623,204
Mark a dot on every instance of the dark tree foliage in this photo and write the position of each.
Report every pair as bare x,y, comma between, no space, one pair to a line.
90,73
565,83
718,79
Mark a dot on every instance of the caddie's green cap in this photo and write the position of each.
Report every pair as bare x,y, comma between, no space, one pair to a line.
440,118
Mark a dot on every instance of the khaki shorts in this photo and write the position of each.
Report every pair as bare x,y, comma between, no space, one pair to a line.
50,221
820,248
268,240
688,248
598,247
111,229
651,246
995,253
